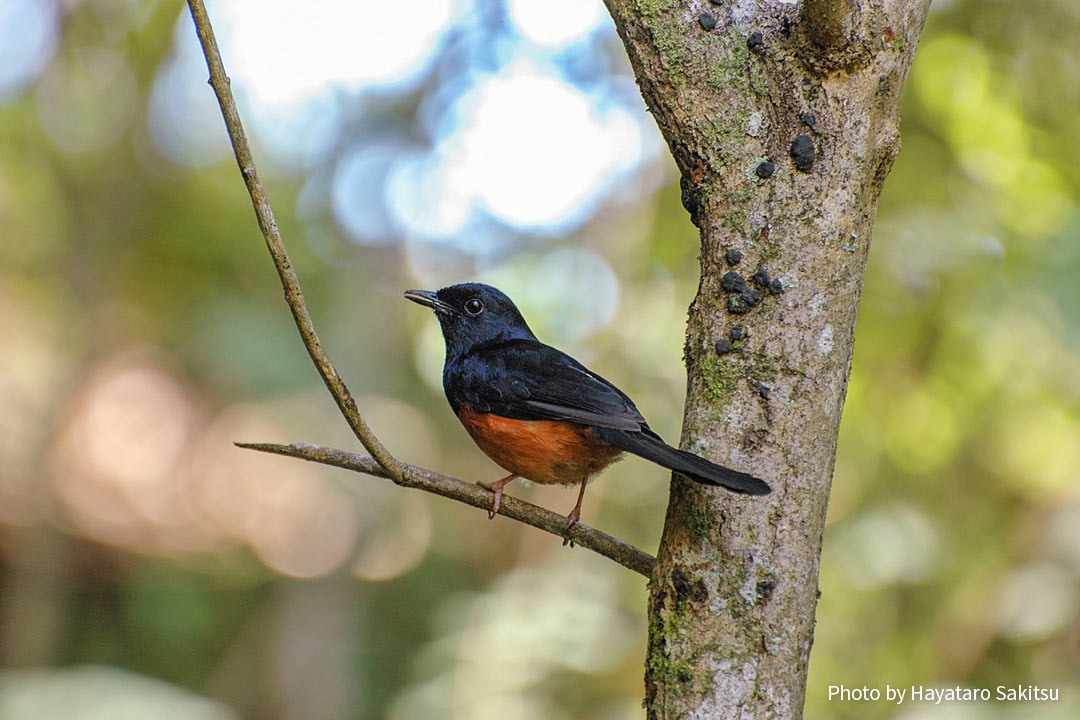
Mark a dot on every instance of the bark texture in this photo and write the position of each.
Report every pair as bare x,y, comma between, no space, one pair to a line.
782,117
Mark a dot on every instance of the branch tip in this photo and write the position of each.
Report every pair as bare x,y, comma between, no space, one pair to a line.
294,296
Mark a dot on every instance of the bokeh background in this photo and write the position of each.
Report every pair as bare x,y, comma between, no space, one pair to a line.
149,569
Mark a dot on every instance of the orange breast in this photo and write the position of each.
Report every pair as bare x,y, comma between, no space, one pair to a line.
544,451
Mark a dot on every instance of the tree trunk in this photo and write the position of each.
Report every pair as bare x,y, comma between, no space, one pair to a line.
782,117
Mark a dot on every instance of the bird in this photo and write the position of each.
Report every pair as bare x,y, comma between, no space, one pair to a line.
539,413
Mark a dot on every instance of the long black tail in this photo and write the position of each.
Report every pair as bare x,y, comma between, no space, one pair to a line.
649,446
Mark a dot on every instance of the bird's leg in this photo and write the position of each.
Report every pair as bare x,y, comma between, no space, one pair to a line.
575,514
497,488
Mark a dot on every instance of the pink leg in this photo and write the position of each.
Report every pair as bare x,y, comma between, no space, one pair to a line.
497,488
575,514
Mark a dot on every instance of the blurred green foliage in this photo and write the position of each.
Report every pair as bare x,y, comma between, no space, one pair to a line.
142,331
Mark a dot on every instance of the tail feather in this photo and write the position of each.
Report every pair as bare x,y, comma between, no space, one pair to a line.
649,446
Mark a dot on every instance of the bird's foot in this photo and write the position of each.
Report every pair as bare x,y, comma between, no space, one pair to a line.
495,505
497,488
574,515
571,521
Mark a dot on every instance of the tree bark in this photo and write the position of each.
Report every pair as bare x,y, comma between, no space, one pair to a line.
782,117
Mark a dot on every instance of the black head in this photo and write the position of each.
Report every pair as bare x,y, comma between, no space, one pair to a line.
472,314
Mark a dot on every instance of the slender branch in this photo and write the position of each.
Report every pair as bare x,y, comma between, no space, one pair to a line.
471,494
289,281
381,463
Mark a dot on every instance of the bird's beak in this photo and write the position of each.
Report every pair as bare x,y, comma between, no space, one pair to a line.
429,299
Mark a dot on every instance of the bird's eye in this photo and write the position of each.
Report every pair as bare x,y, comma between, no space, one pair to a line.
474,306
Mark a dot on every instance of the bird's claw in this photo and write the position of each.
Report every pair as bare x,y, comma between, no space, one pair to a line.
571,521
495,505
497,489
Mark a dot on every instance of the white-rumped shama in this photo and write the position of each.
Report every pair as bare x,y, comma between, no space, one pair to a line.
536,411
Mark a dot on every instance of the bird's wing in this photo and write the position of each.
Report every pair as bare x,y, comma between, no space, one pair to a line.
527,380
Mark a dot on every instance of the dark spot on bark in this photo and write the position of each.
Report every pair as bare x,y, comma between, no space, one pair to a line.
807,81
691,199
802,153
685,676
761,278
776,286
738,332
732,282
808,118
785,27
737,305
707,21
687,589
722,346
765,588
756,42
765,169
743,297
733,257
819,593
764,391
681,583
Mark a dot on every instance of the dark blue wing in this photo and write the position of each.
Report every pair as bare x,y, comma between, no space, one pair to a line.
527,380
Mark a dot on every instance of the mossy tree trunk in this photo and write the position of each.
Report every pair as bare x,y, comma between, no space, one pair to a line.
782,117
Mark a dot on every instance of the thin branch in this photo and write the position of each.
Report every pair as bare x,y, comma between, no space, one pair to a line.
381,463
471,494
289,281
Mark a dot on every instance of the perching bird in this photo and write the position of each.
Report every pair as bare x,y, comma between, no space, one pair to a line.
536,411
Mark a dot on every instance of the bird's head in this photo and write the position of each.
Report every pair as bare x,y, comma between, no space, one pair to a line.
472,314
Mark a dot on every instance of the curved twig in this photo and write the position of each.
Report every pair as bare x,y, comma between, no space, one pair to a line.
381,463
472,494
289,281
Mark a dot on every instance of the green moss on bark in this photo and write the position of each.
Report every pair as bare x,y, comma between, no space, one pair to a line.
669,38
720,378
701,523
